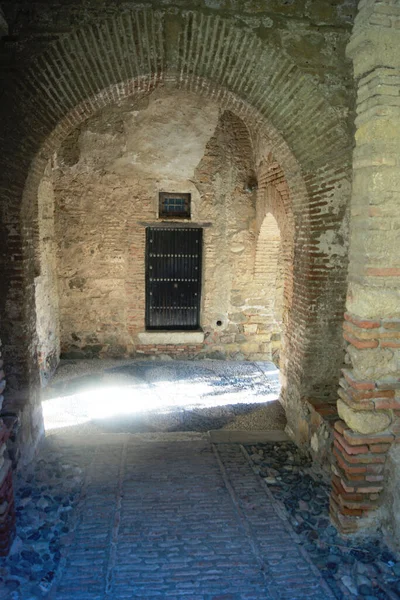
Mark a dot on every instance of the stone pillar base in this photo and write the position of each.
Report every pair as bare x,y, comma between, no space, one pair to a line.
358,475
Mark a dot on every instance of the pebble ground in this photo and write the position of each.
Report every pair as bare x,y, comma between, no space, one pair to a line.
362,568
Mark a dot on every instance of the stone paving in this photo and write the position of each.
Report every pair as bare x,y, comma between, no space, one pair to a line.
184,515
158,518
107,512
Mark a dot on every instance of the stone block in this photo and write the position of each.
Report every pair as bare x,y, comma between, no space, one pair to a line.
363,323
240,337
350,449
250,348
356,439
363,421
171,337
250,328
372,364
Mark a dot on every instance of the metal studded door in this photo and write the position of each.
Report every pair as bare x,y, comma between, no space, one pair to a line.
173,277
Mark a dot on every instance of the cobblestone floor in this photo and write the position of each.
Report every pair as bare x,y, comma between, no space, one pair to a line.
153,396
186,520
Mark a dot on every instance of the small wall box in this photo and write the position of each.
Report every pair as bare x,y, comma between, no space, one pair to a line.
173,205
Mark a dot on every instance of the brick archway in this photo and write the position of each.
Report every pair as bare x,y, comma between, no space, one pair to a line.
95,66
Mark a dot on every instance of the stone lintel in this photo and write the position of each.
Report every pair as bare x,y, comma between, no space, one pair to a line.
171,337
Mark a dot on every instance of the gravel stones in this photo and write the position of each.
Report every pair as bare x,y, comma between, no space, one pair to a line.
45,499
353,567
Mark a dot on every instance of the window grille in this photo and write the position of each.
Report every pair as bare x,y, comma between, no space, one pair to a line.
174,205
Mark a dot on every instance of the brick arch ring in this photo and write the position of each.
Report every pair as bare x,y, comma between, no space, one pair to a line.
105,62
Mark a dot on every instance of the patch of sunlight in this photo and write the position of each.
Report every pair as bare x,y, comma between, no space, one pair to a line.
161,397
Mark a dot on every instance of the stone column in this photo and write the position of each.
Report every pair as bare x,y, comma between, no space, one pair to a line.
369,403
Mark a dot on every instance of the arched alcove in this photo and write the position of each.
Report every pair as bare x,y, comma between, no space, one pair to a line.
268,274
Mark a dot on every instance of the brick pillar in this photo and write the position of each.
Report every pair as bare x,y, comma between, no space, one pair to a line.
7,512
369,403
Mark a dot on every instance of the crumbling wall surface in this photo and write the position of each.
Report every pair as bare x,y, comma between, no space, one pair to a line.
275,211
226,179
369,393
107,183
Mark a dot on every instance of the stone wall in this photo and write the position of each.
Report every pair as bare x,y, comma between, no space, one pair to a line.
274,207
107,180
369,403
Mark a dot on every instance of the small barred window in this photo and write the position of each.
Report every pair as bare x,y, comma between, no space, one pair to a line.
174,205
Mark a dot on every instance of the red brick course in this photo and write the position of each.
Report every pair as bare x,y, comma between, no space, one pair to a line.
363,323
358,478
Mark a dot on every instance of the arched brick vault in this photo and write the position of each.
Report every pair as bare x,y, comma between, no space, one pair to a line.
106,61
